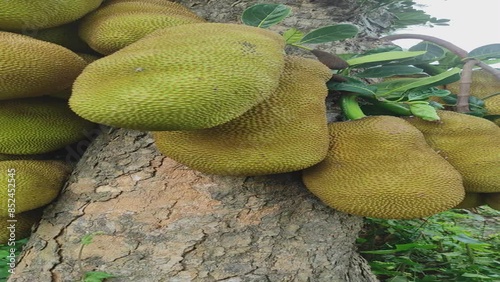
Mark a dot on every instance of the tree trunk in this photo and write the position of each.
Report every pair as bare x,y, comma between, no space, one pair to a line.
164,222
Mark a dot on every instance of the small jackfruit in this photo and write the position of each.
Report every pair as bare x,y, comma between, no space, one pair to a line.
286,132
30,184
33,14
484,85
119,23
471,200
32,67
181,78
19,226
38,125
470,144
381,166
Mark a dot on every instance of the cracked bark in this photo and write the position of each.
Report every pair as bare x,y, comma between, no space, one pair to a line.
165,222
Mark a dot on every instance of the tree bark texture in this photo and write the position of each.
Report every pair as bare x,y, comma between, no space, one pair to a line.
164,222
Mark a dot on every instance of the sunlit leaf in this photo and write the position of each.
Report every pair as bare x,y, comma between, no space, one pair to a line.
424,111
401,85
97,276
265,15
329,34
383,57
293,35
386,71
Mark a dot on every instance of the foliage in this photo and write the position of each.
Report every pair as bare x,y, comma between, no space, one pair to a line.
456,245
404,12
4,261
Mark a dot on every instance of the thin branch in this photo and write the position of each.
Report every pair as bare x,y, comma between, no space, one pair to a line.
465,83
443,43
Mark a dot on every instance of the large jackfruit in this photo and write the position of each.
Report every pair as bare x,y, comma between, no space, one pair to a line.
31,67
19,226
381,166
30,184
38,125
33,14
119,23
484,85
184,77
470,144
286,132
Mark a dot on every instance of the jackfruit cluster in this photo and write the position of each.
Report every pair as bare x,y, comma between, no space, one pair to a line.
252,144
38,41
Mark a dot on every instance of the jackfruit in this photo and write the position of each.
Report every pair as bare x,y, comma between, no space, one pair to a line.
64,35
470,144
182,77
32,67
33,14
471,200
38,125
493,200
381,166
19,226
484,85
119,23
286,132
30,184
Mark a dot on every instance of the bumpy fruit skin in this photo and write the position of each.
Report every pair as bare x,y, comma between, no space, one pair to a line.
492,200
31,67
35,182
181,78
471,200
381,166
21,227
38,125
33,14
119,23
286,132
470,144
483,85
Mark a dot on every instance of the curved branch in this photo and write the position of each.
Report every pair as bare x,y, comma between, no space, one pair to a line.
465,83
443,43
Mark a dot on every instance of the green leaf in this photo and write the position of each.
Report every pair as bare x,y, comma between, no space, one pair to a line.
97,276
329,34
87,239
383,57
386,71
486,52
265,15
411,246
353,85
432,53
424,111
293,35
402,85
422,94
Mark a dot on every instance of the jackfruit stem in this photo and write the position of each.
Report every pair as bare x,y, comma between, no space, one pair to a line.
350,107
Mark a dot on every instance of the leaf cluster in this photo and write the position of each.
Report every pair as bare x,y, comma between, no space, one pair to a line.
457,245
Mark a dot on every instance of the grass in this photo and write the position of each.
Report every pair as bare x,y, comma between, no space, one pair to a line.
456,245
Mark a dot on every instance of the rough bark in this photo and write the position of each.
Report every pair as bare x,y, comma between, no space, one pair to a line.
164,222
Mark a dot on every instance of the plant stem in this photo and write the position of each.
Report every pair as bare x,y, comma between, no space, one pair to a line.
465,82
350,107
